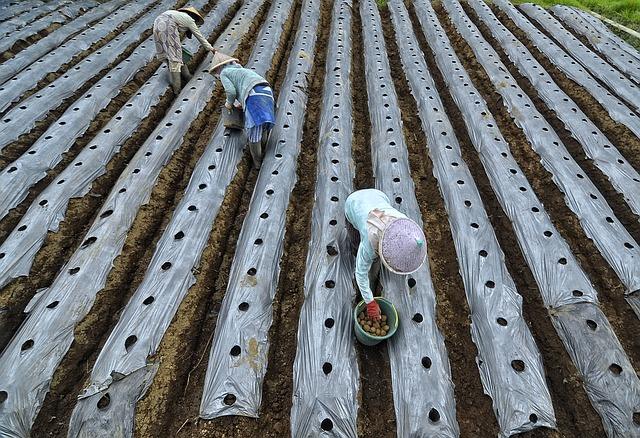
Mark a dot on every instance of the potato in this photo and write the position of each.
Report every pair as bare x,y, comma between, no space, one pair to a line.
376,325
361,316
385,328
366,327
383,317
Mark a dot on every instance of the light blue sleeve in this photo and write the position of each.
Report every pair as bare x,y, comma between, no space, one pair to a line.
229,88
364,260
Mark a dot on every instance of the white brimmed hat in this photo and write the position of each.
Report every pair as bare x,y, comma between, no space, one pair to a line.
402,247
194,13
220,59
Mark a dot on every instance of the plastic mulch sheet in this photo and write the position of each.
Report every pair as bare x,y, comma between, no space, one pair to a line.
602,70
599,222
238,357
29,361
508,359
417,352
325,371
31,54
616,109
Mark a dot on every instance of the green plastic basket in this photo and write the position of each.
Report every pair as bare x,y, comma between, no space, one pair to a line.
186,55
392,321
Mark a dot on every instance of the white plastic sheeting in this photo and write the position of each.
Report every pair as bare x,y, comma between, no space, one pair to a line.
10,11
420,373
238,357
617,110
170,273
624,178
31,54
48,209
46,152
613,241
564,287
602,70
325,396
62,15
21,20
508,359
21,119
596,27
29,361
620,59
16,86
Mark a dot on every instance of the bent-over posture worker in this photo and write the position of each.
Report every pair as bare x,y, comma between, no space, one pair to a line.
386,235
247,90
167,29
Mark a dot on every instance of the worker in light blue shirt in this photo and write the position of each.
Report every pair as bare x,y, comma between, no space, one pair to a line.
386,235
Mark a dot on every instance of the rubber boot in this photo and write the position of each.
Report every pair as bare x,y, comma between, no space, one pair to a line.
256,154
185,74
174,78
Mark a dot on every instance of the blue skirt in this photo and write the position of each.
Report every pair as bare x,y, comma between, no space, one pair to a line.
259,108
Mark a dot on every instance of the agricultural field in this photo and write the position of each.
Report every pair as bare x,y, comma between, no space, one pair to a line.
154,284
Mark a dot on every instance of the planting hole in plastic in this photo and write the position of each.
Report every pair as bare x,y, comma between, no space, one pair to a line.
89,241
106,214
4,396
592,324
243,307
426,362
74,271
53,304
615,369
165,266
229,399
331,250
328,323
533,418
417,317
148,300
517,365
235,351
411,282
28,344
179,235
327,368
326,425
434,415
501,321
577,293
104,402
130,342
330,284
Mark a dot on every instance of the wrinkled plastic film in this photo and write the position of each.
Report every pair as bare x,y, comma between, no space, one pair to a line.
618,58
508,359
597,219
21,20
325,370
31,54
21,119
62,15
562,283
597,27
169,275
25,375
48,209
616,109
602,70
624,178
238,357
418,390
25,6
46,152
16,86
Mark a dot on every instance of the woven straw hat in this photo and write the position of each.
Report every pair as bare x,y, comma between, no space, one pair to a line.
194,13
402,247
220,59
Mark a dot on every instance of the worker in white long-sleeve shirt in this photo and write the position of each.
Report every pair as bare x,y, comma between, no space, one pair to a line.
167,29
386,235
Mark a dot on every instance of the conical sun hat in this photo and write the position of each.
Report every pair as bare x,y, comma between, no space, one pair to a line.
402,247
195,14
220,59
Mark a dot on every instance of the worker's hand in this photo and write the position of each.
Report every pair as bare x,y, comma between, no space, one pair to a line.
228,106
237,104
373,310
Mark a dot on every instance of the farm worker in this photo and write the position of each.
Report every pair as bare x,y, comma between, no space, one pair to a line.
248,91
386,235
167,28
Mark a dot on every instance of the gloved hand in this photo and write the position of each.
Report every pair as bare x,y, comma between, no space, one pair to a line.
373,310
228,106
237,104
